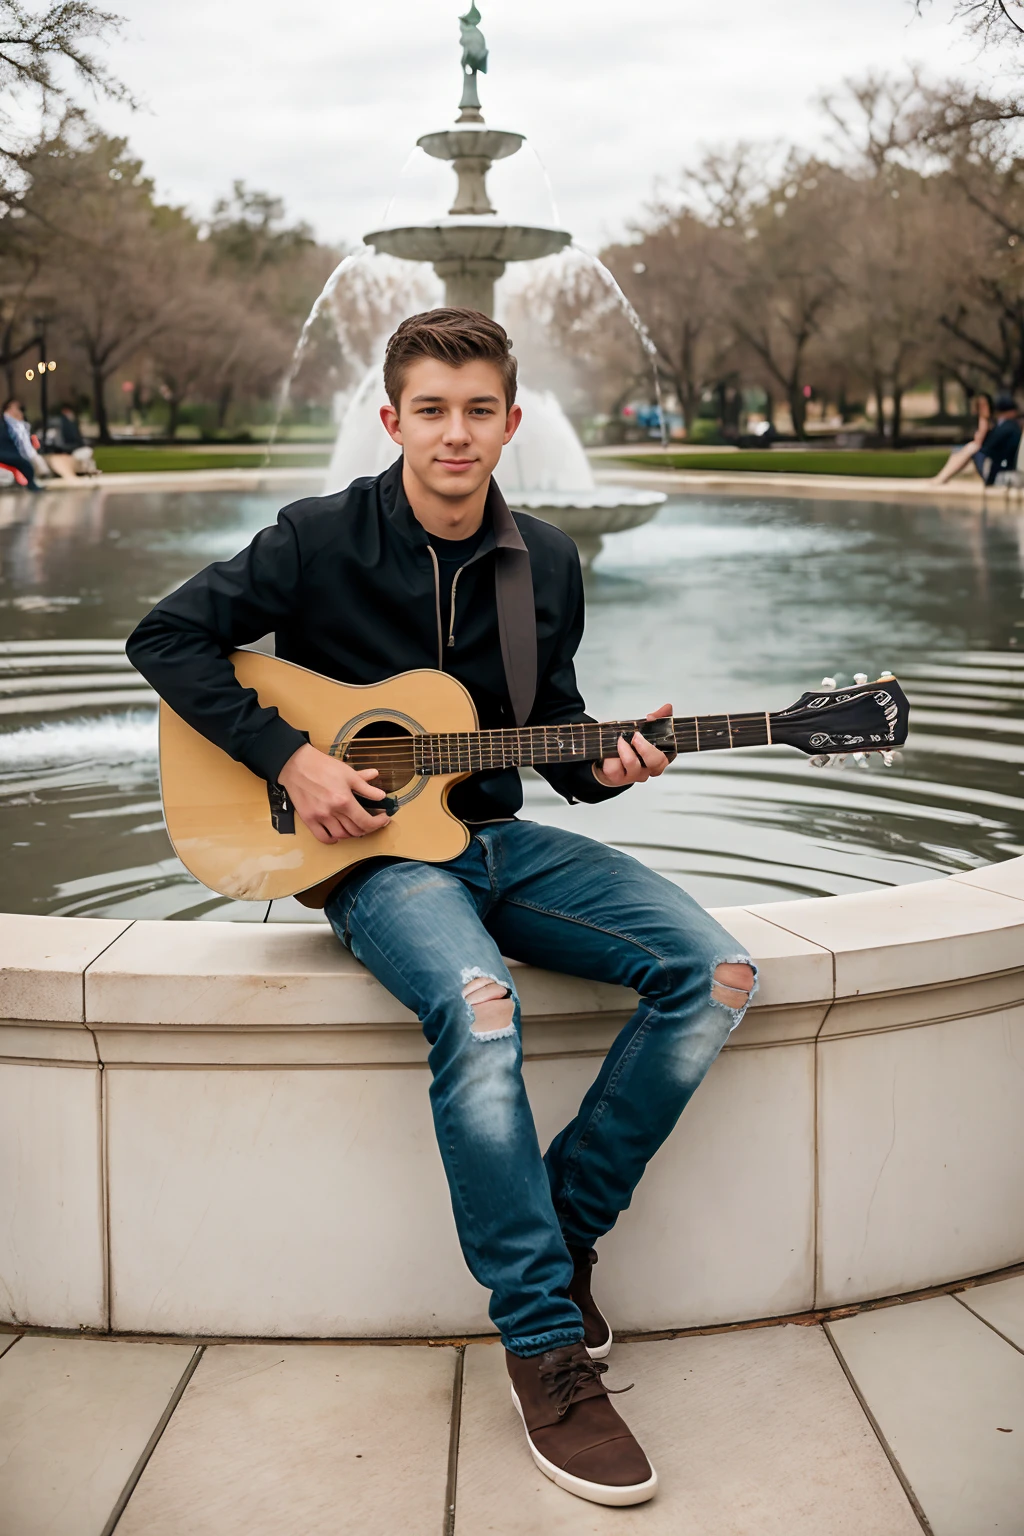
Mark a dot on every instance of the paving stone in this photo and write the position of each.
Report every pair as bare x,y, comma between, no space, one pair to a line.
302,1440
75,1416
1002,1305
754,1433
948,1395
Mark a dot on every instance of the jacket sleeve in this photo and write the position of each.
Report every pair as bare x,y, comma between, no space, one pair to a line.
558,701
182,647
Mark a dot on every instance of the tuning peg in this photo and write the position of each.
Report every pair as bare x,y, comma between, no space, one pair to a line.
828,682
887,676
860,678
861,759
821,761
887,759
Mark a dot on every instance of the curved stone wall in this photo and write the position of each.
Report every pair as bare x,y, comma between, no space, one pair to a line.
215,1128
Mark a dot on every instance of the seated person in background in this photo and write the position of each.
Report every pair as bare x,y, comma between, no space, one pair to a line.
16,448
67,452
1002,444
994,447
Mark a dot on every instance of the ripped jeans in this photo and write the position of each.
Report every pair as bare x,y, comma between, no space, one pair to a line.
434,935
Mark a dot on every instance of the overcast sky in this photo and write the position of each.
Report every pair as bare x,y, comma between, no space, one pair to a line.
321,102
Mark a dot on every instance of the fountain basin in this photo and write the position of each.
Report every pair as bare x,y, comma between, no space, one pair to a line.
225,1128
464,240
586,516
471,141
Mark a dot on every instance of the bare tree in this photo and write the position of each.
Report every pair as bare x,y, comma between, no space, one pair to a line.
40,49
675,274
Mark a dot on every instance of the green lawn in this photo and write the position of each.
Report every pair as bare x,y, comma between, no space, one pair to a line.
916,464
121,460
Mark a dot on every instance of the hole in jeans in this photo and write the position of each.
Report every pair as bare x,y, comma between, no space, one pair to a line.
491,1006
732,986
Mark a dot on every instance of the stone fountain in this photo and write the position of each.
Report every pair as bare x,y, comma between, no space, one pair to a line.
544,470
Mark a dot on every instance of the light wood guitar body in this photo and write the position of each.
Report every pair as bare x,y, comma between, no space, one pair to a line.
218,813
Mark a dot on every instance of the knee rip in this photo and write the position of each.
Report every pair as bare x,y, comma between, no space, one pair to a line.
732,985
491,1007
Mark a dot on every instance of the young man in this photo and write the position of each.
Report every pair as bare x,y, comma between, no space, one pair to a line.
425,566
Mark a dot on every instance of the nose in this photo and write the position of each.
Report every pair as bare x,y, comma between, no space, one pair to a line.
457,428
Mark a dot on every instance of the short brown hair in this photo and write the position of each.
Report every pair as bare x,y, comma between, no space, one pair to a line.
453,336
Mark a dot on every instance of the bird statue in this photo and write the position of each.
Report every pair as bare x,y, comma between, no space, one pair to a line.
474,48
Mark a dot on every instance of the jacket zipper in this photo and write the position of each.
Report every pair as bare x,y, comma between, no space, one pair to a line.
437,607
451,625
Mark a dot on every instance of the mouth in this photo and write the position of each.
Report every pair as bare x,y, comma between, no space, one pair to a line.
455,466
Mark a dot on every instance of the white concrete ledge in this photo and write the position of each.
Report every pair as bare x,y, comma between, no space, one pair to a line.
270,478
969,491
215,1128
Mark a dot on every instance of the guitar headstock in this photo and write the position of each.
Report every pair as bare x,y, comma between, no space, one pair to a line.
864,717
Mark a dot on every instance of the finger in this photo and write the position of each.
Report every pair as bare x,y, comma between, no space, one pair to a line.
328,829
368,790
632,764
663,712
355,819
653,757
358,823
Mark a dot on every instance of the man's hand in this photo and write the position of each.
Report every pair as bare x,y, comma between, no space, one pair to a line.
638,760
323,789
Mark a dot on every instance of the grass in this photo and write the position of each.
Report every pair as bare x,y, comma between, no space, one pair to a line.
918,464
123,460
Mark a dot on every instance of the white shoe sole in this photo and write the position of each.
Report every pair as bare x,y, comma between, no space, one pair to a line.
602,1351
596,1493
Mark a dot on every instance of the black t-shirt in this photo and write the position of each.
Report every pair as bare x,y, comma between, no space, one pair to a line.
1001,447
452,555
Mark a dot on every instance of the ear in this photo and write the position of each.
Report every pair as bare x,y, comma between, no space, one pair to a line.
392,425
512,421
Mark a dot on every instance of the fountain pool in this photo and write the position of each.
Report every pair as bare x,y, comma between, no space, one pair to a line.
719,603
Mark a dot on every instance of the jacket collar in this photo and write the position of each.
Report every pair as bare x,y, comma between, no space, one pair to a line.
503,525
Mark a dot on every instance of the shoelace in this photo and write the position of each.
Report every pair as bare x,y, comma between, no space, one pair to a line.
564,1379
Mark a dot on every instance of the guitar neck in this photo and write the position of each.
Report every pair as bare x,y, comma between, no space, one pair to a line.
535,745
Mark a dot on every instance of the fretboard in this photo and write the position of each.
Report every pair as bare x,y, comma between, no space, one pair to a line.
528,746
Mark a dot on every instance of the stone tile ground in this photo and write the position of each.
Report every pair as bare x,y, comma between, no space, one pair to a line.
884,1423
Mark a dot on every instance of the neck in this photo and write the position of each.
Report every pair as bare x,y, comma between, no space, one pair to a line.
584,741
447,517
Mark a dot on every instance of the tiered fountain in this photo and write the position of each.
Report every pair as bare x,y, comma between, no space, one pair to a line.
544,470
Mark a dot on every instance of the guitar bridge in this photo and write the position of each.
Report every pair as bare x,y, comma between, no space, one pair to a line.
282,812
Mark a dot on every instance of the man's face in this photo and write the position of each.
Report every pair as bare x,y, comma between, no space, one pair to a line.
452,424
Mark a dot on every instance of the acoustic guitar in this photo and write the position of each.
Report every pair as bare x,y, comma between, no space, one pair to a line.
241,837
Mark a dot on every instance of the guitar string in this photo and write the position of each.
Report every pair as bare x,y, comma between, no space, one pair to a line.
496,740
451,755
535,735
447,743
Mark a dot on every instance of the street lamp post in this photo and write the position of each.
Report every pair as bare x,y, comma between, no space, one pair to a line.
46,367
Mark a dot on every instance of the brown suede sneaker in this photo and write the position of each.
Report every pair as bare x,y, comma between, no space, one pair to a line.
597,1333
574,1434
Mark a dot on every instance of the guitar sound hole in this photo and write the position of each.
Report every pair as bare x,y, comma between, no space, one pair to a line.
386,746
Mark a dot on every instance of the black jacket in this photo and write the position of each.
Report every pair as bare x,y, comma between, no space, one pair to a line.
1001,447
347,585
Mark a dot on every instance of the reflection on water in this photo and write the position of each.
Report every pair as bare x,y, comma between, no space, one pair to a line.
716,605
